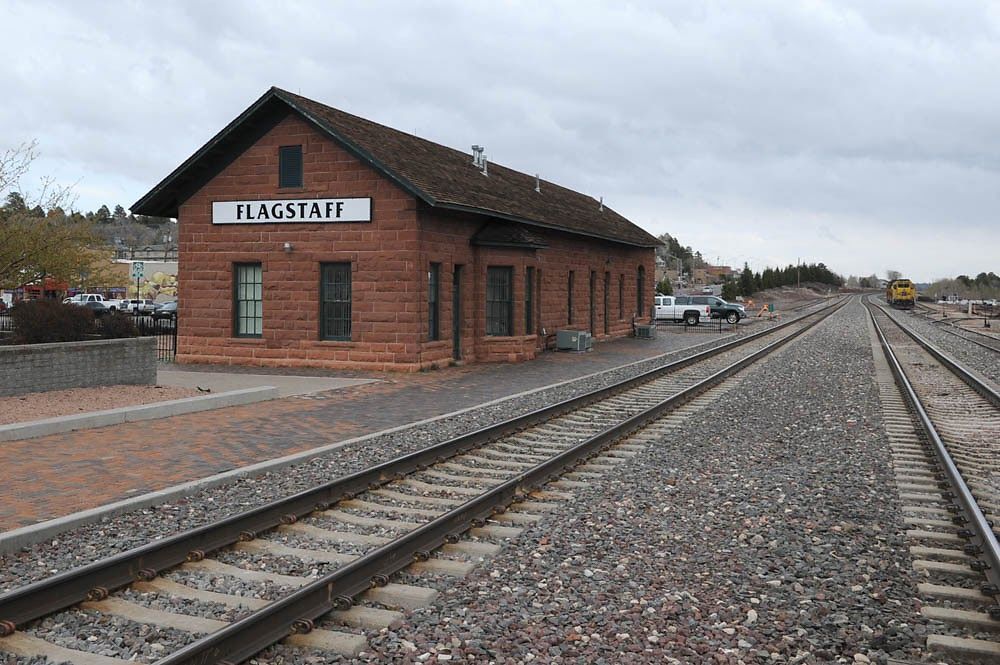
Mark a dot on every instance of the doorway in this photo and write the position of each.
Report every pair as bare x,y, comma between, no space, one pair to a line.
593,307
456,313
607,289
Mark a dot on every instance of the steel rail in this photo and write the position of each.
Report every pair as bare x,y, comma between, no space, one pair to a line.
298,611
95,580
982,540
953,329
954,366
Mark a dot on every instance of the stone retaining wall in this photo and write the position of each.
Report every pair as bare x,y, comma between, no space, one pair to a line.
32,368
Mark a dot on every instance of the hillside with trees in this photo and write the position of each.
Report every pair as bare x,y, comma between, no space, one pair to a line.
42,236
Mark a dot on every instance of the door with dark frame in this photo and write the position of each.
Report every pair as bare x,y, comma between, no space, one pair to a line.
456,313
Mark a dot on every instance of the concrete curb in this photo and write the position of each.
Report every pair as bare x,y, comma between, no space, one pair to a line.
128,414
11,541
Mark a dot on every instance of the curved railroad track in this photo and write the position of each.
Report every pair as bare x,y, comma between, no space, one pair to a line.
433,512
944,429
990,342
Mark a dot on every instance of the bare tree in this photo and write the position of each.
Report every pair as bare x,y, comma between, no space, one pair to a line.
892,275
32,243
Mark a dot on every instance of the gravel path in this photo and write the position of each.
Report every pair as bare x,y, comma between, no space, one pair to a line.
36,406
974,357
766,529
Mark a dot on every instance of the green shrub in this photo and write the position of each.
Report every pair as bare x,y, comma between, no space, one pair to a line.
117,325
42,321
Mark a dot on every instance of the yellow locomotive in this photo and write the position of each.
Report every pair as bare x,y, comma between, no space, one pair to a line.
901,293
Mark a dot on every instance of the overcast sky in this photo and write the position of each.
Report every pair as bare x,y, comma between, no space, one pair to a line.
862,134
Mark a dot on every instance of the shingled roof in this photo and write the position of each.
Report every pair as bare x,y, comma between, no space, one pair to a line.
440,176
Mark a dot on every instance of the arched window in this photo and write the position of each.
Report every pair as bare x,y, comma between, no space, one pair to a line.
640,284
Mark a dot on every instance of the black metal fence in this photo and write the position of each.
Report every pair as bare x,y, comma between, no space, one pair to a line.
163,329
165,332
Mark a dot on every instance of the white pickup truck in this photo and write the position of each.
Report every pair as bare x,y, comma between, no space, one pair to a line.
666,308
82,298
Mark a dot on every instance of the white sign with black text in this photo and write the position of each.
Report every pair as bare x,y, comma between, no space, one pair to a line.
292,211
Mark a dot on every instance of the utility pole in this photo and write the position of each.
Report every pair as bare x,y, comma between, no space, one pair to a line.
798,273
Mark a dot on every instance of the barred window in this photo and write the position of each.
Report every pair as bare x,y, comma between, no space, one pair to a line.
335,301
433,302
499,301
248,296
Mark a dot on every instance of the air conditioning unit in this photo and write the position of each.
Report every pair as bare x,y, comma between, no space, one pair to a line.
645,332
572,340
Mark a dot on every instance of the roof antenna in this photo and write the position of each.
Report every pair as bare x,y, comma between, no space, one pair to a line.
602,204
538,184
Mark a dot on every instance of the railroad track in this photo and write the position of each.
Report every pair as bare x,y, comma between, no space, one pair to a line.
434,512
980,339
944,430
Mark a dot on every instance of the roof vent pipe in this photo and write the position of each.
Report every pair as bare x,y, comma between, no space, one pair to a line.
538,184
477,155
485,165
602,204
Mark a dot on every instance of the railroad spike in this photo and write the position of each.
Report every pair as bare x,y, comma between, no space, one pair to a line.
421,556
146,574
379,580
289,518
7,628
343,603
247,536
97,593
989,590
321,506
994,612
194,555
451,538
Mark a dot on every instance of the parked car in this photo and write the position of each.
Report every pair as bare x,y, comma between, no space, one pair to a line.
674,309
137,305
167,310
731,312
82,298
97,307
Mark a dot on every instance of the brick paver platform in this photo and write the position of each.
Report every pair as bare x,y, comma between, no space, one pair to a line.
57,475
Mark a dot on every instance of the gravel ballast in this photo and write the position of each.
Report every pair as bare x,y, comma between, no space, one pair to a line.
984,362
118,533
746,537
765,529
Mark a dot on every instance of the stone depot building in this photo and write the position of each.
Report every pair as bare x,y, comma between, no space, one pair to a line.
309,237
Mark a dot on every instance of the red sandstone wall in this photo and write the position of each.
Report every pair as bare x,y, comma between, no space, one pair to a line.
383,254
390,258
445,240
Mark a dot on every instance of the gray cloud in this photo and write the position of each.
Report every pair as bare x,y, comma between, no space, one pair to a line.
860,134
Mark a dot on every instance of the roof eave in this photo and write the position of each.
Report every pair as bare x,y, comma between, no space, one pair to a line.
458,207
138,206
146,205
357,150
